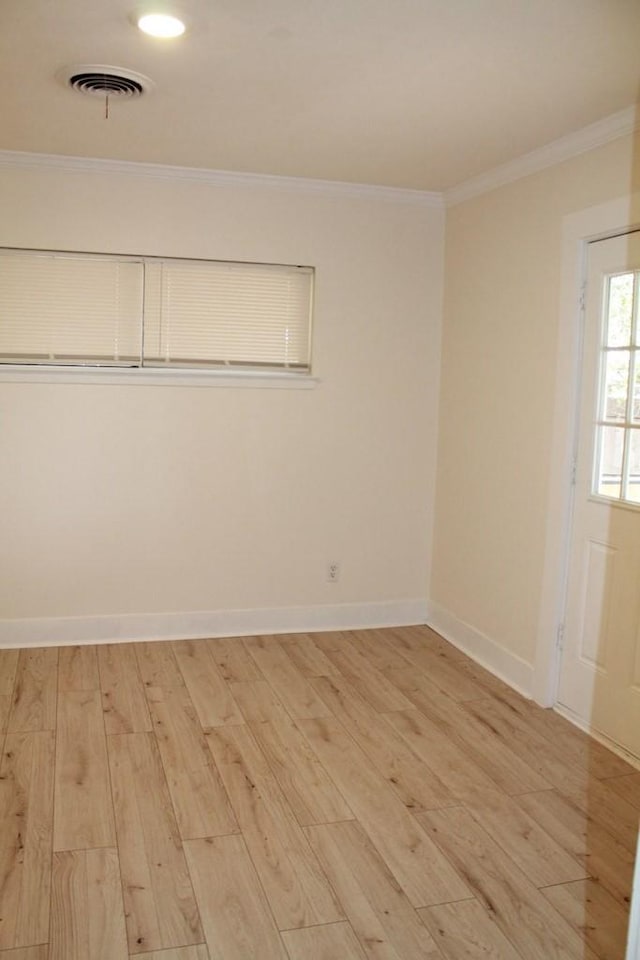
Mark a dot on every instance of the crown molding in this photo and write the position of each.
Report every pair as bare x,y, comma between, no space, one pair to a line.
218,178
620,124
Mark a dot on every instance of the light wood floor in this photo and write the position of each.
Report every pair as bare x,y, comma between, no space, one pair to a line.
371,794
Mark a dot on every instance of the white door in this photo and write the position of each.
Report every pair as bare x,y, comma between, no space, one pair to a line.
599,680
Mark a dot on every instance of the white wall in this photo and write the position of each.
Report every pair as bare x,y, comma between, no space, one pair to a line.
142,499
501,335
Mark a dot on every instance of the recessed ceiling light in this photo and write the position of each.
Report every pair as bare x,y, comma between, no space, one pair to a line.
161,25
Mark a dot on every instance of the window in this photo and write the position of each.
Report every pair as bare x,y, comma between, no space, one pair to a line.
617,460
68,309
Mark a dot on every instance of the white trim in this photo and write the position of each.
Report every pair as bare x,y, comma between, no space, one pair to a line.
578,228
141,376
484,650
218,178
66,631
620,124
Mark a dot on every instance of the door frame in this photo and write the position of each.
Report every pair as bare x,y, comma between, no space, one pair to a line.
578,231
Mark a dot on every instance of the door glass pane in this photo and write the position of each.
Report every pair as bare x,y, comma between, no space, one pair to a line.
610,450
633,483
635,408
620,307
616,385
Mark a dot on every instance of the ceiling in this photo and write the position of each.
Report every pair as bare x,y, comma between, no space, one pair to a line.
407,93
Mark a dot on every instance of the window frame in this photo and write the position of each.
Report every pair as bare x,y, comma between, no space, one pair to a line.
628,425
234,373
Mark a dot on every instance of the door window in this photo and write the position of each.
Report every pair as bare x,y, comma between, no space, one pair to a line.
616,474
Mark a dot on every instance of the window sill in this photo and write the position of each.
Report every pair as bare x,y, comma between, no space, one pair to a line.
154,377
614,502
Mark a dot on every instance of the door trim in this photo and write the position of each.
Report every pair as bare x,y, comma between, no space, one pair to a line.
578,230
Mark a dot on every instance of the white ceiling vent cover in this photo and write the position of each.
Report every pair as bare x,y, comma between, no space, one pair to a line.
100,80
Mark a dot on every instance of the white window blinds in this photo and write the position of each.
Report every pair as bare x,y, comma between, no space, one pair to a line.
229,314
102,310
65,308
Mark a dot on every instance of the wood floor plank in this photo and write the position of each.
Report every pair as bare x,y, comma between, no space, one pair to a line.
594,914
417,864
330,640
380,913
258,702
453,766
572,780
83,809
602,856
8,667
209,692
199,799
34,691
198,952
503,720
323,943
604,805
233,660
296,888
370,683
201,804
416,785
158,668
310,792
627,787
486,826
377,646
26,825
525,917
577,746
290,685
123,699
444,675
87,919
307,656
78,668
465,930
493,685
489,750
536,852
5,710
236,917
159,904
518,834
40,952
423,637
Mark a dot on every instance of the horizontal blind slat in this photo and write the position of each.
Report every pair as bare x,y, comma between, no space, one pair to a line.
69,306
58,307
233,313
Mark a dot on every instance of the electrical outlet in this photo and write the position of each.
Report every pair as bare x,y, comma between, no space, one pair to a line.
333,571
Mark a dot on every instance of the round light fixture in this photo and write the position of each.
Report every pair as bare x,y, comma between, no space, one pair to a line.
161,25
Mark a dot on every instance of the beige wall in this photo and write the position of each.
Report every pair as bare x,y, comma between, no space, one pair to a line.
136,499
150,499
500,342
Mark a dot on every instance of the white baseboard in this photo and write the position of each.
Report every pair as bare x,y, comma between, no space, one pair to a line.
63,631
487,652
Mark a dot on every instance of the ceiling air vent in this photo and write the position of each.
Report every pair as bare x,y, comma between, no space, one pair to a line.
99,80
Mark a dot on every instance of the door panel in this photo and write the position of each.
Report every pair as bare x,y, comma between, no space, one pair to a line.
599,678
596,607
